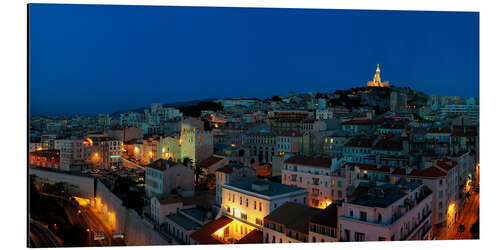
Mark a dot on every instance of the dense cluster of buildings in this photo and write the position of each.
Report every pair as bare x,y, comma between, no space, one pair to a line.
296,168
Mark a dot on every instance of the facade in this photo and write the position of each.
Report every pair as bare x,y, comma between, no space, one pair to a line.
324,226
165,177
164,205
289,223
398,102
248,202
196,143
151,150
45,158
231,173
312,174
262,145
211,164
288,141
387,212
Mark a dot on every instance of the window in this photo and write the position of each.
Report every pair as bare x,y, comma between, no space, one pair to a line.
340,193
243,216
351,213
379,219
359,236
260,206
241,200
340,183
254,205
258,221
362,216
247,202
440,193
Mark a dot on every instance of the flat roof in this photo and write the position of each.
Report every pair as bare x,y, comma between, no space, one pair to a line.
273,189
184,221
195,213
391,193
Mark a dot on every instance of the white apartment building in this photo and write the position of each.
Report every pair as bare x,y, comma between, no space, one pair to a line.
324,114
231,173
163,177
246,203
288,141
387,212
316,175
472,111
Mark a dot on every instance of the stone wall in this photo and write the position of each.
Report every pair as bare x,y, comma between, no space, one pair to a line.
136,229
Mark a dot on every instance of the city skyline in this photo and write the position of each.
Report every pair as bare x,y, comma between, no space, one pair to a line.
121,59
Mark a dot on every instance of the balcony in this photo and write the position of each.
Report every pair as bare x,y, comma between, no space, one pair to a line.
411,233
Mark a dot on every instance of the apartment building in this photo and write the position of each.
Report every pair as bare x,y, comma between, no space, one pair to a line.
387,212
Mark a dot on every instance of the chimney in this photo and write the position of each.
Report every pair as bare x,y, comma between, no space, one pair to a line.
408,170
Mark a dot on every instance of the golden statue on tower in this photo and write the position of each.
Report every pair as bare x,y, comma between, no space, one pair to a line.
377,81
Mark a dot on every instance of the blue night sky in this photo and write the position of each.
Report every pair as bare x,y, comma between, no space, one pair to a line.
91,59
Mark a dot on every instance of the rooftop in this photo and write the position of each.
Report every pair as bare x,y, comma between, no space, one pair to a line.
327,217
272,188
294,216
254,237
209,161
184,222
195,213
204,234
310,161
380,196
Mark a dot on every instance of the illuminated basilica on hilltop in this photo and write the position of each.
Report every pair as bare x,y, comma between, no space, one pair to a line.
377,81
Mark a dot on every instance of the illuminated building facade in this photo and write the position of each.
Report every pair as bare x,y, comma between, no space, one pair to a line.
196,144
248,202
231,173
377,81
45,158
312,174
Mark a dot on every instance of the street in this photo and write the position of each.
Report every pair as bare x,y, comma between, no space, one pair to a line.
42,236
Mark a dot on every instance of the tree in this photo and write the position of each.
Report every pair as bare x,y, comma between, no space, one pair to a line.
197,170
474,230
276,99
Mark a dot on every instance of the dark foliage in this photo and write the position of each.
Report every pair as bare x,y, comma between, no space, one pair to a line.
195,110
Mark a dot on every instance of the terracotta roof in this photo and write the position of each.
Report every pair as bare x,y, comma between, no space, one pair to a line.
46,153
209,161
446,164
228,169
204,234
264,171
399,171
369,167
254,237
431,172
160,164
310,161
